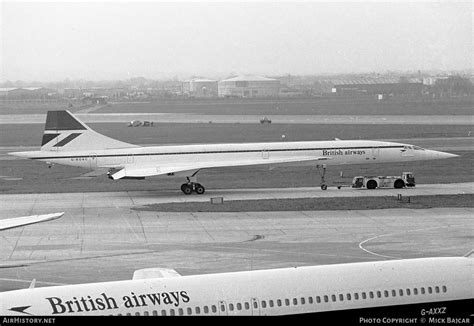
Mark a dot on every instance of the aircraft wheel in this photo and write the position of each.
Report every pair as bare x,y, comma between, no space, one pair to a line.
324,187
199,189
399,184
186,189
371,184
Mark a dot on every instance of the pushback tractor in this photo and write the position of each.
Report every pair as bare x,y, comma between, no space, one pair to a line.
407,179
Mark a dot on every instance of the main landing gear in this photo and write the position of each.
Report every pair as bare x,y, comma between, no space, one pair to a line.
192,185
322,173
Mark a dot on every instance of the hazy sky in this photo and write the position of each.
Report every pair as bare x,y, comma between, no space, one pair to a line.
51,41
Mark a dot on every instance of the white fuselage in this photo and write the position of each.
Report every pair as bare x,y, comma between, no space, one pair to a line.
263,292
334,152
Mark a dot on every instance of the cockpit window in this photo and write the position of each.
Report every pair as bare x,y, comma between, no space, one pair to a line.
416,148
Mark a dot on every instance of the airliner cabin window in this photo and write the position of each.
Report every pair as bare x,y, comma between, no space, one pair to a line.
171,312
239,306
247,305
137,314
415,291
155,313
214,308
364,296
303,301
264,304
310,299
422,290
408,292
198,310
287,302
356,296
295,301
430,290
341,297
222,307
318,299
145,313
401,292
326,298
255,305
379,294
271,303
231,306
333,297
371,294
437,289
180,311
394,293
206,309
385,293
190,311
279,303
445,289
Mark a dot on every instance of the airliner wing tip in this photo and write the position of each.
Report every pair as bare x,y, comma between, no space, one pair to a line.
470,254
26,220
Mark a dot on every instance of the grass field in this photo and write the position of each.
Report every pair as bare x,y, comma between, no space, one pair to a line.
315,204
313,106
304,106
182,133
38,107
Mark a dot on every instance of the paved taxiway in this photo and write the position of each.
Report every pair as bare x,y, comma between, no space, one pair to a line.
27,203
101,238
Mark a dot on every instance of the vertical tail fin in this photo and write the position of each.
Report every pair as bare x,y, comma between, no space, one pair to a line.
64,132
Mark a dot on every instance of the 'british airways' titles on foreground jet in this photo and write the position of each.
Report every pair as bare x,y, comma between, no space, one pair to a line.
368,288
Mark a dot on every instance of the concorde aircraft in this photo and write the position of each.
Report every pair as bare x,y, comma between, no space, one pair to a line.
378,285
69,141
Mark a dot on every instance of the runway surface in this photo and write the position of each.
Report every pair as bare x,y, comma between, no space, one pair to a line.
207,118
102,238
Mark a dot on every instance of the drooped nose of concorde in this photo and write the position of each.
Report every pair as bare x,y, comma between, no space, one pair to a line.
440,155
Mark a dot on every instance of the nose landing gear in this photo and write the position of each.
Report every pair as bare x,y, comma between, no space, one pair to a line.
322,172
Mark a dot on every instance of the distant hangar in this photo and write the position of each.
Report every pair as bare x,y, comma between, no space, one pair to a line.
249,86
26,92
200,87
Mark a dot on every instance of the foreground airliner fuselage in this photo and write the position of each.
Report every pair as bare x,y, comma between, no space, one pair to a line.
263,292
68,141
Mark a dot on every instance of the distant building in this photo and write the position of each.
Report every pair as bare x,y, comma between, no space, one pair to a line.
6,91
94,91
15,93
249,86
95,100
200,87
378,86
